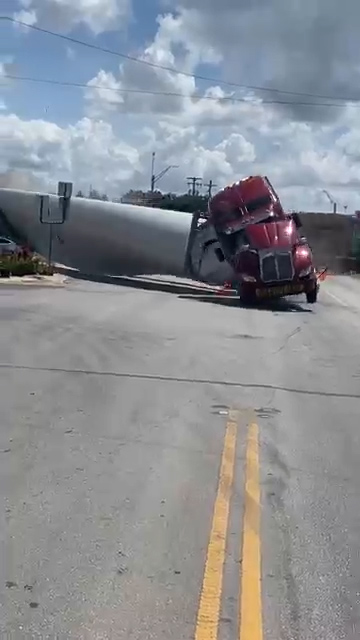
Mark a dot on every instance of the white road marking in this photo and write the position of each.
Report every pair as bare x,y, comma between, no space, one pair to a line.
341,302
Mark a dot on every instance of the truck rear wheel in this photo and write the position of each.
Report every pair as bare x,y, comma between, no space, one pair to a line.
311,296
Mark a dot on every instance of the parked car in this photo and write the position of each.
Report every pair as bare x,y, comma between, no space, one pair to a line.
8,247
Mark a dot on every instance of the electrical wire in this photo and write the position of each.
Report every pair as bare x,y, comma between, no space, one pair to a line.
169,94
173,70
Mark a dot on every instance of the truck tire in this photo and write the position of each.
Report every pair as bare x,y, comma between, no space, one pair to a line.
246,299
311,296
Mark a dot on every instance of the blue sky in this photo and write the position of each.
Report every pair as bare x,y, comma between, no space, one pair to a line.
220,140
40,55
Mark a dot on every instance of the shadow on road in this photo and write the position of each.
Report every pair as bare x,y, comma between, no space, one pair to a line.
145,282
274,306
187,291
90,277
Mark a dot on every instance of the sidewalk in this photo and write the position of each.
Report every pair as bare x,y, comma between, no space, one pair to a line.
57,280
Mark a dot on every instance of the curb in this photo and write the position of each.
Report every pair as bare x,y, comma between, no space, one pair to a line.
145,283
39,281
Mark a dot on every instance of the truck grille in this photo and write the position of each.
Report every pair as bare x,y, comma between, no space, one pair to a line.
276,266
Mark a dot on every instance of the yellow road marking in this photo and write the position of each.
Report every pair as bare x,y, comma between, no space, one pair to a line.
251,605
210,600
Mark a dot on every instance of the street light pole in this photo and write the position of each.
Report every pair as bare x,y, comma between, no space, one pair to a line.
152,172
156,178
331,199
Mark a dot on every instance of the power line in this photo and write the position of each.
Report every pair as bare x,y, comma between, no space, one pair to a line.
155,65
81,85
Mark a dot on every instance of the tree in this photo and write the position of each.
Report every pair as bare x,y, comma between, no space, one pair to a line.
184,202
142,198
96,195
80,194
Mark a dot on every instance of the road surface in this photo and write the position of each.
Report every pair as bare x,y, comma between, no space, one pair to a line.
175,469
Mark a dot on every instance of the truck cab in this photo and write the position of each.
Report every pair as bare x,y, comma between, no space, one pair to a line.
269,256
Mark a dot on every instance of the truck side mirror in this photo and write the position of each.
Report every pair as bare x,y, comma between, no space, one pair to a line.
296,218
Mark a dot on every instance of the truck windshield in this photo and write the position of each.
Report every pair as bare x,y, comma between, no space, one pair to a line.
259,203
269,218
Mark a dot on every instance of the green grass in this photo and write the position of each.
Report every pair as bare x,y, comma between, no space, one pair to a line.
18,266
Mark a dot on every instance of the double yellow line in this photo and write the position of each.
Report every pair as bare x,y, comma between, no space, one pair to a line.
250,605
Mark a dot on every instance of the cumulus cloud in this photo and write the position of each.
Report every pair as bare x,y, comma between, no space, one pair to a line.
273,47
103,94
309,47
114,161
25,180
208,129
86,152
97,15
27,18
105,91
7,67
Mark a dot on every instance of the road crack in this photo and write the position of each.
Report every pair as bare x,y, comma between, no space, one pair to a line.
291,335
174,379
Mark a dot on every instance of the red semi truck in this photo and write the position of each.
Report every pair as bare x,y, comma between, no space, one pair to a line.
269,256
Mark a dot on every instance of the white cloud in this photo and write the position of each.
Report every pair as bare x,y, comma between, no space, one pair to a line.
27,18
7,66
97,15
104,94
226,134
93,151
301,150
70,53
85,152
300,46
164,51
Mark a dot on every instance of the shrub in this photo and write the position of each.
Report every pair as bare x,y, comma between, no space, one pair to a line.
23,266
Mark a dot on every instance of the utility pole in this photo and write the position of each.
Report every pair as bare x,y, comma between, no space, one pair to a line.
194,183
156,178
210,186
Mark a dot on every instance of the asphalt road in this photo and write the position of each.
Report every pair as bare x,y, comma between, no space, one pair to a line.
170,468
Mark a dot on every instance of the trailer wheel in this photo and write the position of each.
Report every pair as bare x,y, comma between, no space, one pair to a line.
311,296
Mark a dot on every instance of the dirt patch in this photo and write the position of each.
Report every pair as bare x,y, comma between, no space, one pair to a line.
330,237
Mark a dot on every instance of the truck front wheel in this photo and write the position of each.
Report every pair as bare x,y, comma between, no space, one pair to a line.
311,296
247,298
